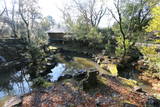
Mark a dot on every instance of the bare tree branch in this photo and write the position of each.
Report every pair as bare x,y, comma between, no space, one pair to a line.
2,12
24,20
90,12
113,15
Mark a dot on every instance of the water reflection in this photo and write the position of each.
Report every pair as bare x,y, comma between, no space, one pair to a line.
68,70
18,80
57,72
13,83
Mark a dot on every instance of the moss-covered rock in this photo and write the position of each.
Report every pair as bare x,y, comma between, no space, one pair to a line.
90,64
113,69
128,82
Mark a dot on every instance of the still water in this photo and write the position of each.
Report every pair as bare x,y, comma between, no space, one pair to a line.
14,84
17,83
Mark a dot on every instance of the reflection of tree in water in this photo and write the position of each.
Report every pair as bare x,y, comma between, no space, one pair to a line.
21,78
13,81
18,78
6,77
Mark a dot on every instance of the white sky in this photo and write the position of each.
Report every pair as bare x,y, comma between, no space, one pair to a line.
52,8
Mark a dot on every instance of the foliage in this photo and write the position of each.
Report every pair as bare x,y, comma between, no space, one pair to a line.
154,24
107,33
22,19
151,57
109,41
84,32
40,36
94,36
133,16
35,52
84,24
110,47
157,41
147,51
119,49
35,48
40,82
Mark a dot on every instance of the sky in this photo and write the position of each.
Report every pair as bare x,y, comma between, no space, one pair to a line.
52,8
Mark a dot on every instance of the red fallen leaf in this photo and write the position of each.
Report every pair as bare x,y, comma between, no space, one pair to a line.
99,95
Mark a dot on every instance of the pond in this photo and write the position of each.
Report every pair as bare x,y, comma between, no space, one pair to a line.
14,83
18,83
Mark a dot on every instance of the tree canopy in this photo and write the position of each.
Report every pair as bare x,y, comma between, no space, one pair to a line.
154,24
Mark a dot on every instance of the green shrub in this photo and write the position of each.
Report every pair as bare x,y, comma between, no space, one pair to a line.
40,82
120,48
151,57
